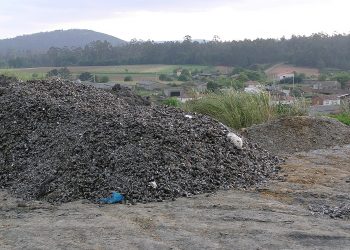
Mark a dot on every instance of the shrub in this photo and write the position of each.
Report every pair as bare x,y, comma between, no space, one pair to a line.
164,77
86,76
103,79
128,79
172,102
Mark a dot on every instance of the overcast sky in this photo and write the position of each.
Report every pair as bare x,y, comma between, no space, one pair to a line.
161,20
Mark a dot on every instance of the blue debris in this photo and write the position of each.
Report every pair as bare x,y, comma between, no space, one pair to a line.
114,198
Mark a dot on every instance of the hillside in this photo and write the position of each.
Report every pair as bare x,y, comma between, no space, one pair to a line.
41,42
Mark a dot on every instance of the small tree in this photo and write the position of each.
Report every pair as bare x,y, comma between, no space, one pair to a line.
86,76
164,77
64,73
128,79
104,79
185,75
213,86
51,73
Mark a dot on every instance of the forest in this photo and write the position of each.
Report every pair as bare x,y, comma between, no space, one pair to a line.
318,50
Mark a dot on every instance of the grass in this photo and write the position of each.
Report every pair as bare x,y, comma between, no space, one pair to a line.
115,73
240,109
342,117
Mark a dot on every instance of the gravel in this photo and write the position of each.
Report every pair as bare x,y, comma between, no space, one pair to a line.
61,142
299,133
341,211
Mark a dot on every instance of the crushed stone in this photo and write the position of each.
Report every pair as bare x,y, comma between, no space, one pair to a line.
61,142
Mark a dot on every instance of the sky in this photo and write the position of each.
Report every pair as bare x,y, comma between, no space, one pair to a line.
162,20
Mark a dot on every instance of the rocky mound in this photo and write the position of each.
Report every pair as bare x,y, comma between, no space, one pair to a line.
299,133
61,141
129,96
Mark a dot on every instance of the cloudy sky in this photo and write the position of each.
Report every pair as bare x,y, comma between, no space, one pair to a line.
161,20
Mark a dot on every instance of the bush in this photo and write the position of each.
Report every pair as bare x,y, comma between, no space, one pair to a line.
103,79
164,77
86,76
174,102
62,72
128,79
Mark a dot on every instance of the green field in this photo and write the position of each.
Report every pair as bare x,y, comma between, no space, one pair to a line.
115,73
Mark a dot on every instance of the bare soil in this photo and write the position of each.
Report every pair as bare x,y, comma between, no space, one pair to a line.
276,216
286,68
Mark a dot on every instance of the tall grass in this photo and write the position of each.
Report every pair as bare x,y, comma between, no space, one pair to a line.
344,116
234,109
239,109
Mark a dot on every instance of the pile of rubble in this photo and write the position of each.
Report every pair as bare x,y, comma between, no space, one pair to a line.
61,141
299,133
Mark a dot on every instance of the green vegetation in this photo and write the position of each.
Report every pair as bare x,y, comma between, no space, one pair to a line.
235,109
128,79
342,117
165,77
103,79
86,76
318,50
62,72
337,75
174,102
115,73
239,109
185,76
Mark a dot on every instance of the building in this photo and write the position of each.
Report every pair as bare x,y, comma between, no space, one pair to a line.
326,100
323,85
149,85
280,76
174,92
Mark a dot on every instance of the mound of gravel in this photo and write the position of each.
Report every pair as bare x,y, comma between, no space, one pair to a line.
129,96
299,133
61,142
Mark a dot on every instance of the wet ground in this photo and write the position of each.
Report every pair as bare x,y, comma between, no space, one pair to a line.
277,216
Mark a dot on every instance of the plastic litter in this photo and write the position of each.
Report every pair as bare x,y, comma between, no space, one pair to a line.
189,116
114,198
153,184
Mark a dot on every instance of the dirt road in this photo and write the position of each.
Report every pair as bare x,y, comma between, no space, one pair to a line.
277,216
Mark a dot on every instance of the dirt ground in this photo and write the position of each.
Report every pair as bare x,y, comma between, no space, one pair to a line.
285,68
274,217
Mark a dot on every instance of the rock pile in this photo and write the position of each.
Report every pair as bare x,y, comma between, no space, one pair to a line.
299,133
61,141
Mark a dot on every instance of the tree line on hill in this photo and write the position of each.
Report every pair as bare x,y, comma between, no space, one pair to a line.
318,50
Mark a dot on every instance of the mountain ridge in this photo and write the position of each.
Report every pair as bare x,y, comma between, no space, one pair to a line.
42,41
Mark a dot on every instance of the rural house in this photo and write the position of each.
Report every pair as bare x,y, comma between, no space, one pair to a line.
253,87
326,100
323,85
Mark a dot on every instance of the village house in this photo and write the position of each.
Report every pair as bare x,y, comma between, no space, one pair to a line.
323,85
174,92
149,85
326,100
253,87
280,76
285,100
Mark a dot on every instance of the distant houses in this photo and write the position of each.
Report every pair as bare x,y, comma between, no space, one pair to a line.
323,85
253,87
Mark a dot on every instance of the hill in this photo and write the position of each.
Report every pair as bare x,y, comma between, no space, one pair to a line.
41,42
